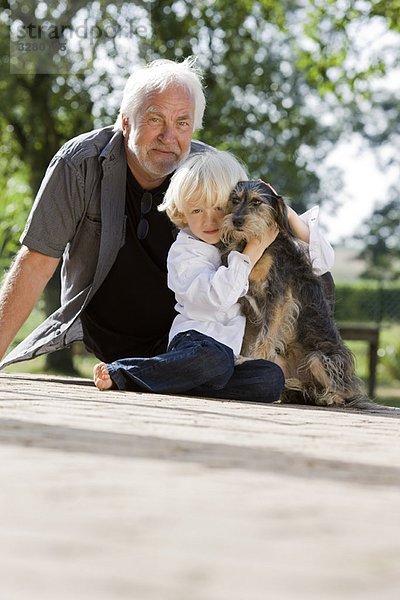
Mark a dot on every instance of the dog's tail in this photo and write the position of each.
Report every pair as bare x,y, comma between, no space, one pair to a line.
365,403
334,373
331,370
361,402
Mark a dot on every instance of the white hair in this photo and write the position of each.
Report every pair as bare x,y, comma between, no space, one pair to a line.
206,178
156,77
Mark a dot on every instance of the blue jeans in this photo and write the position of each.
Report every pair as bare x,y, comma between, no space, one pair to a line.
198,365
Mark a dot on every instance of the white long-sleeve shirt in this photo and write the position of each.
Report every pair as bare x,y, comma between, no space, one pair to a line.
322,255
207,293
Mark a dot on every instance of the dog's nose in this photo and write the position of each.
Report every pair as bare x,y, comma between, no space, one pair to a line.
238,221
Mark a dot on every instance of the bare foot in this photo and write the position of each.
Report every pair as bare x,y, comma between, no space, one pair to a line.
101,377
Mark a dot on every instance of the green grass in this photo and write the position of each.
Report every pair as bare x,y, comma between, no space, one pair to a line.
388,371
82,360
386,397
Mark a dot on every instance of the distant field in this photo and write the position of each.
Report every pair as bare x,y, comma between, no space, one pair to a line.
347,266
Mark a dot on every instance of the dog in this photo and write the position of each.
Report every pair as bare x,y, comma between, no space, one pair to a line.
289,320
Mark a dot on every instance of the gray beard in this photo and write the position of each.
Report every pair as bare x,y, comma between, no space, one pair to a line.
157,169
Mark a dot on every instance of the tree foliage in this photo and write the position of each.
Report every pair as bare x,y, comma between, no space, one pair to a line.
40,111
380,236
378,120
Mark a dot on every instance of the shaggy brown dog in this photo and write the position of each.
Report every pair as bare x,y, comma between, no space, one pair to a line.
288,317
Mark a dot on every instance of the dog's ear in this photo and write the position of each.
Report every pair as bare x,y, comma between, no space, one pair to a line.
280,208
282,214
270,189
238,187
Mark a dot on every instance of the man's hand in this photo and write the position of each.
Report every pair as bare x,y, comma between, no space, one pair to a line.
299,228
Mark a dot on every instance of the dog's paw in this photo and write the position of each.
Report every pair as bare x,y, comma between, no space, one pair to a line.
241,359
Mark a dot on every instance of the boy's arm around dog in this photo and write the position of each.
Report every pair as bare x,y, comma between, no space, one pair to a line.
199,281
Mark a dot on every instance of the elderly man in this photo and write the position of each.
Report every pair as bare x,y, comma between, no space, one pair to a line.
97,211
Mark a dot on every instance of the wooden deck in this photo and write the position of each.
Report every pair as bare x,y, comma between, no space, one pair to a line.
141,497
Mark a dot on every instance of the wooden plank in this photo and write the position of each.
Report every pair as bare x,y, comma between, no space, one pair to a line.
119,495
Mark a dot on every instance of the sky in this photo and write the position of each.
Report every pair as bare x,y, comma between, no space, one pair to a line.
366,182
365,186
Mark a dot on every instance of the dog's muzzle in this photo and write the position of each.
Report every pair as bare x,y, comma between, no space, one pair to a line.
239,215
238,221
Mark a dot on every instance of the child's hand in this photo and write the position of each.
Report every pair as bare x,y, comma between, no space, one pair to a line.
255,248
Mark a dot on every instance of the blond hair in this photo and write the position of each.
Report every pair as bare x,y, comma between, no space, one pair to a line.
157,77
206,178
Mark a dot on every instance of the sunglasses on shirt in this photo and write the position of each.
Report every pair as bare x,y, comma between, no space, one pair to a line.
145,207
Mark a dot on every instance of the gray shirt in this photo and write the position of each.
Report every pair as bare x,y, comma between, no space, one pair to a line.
79,215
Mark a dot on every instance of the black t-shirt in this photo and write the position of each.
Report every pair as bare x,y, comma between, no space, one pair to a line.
131,313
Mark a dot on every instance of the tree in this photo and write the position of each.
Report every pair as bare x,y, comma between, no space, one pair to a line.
15,198
39,113
380,236
380,233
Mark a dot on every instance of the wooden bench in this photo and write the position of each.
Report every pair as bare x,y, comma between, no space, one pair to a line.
368,333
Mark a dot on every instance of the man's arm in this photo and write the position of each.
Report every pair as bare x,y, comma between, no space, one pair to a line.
299,228
22,288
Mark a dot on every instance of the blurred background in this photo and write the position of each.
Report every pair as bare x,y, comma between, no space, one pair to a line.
305,92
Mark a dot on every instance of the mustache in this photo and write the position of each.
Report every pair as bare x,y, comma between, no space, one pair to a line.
164,148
